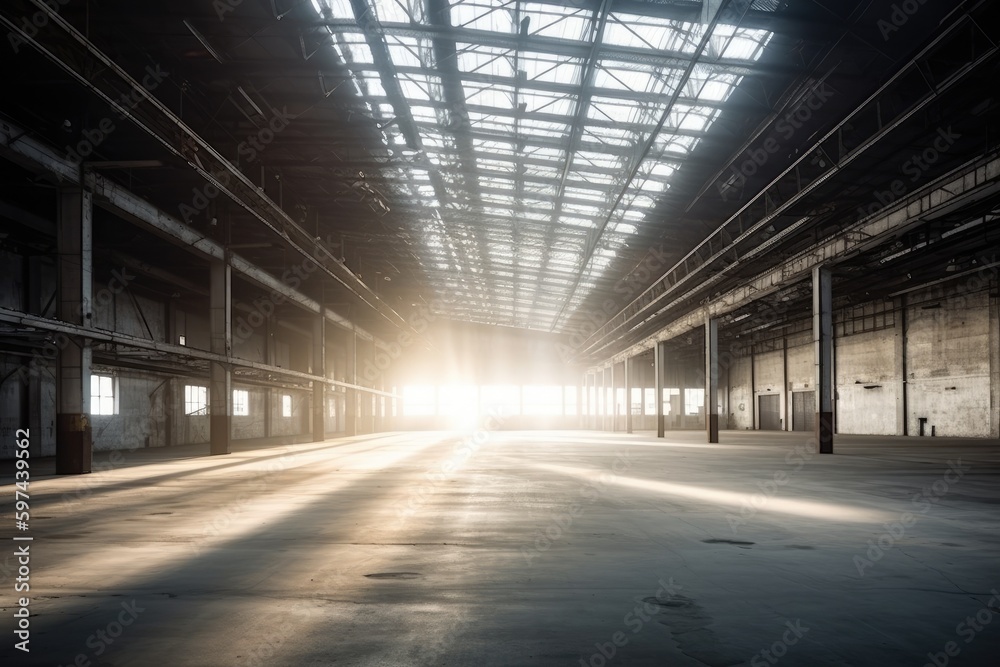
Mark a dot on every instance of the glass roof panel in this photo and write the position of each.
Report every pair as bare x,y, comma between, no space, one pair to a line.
544,20
525,188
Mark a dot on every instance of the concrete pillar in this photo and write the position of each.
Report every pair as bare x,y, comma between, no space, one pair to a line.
603,399
351,377
75,245
614,398
373,399
682,388
823,342
659,352
753,391
712,379
35,413
786,417
220,384
319,388
994,362
270,354
629,379
902,409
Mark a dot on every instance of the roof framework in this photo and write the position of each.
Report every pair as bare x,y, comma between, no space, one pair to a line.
539,137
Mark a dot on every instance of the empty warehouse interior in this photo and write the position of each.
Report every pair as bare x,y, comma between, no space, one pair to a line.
500,332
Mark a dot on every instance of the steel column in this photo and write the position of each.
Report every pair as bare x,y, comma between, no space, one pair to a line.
712,378
823,341
75,244
220,401
319,388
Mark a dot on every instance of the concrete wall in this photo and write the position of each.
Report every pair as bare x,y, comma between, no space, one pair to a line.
150,409
740,395
866,383
933,356
948,363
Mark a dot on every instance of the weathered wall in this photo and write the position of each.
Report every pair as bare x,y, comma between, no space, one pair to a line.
741,395
867,360
948,363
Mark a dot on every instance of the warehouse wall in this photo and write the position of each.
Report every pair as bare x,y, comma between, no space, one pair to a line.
933,356
150,405
948,363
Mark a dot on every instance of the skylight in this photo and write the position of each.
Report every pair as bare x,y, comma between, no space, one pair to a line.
508,155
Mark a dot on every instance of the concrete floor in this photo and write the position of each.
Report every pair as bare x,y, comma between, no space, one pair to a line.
532,548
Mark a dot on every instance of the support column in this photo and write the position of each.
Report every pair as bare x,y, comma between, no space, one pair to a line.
629,379
319,388
659,352
270,354
712,379
603,399
902,425
599,401
220,400
614,400
823,341
994,361
75,245
786,417
373,399
351,395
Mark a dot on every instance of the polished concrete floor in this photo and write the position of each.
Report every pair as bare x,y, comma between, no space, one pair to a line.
519,548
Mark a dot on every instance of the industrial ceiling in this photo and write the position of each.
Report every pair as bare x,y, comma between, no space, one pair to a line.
560,167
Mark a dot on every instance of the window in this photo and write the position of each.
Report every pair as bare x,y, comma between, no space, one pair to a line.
286,405
569,400
694,400
241,402
195,400
418,400
500,399
102,395
543,400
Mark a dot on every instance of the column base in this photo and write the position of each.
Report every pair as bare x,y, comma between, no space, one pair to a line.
219,434
74,446
824,432
713,428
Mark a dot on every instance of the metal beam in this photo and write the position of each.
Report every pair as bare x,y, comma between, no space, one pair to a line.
26,320
24,149
81,59
965,184
822,309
